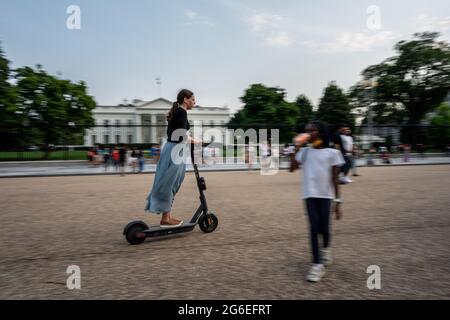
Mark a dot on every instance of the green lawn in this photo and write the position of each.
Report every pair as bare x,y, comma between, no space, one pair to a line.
39,155
62,155
82,155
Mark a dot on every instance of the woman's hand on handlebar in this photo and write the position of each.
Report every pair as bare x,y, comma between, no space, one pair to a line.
194,141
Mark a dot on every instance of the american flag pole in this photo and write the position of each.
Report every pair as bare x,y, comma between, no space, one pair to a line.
159,83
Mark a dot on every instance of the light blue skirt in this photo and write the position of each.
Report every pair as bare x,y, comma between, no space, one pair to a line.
168,178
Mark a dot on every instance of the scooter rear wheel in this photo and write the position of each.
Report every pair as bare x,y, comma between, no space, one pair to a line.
208,223
134,234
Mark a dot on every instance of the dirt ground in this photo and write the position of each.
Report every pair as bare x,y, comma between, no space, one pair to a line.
397,218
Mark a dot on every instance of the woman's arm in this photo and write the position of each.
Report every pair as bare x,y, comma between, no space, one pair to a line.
301,139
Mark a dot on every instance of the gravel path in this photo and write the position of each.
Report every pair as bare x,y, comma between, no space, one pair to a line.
395,217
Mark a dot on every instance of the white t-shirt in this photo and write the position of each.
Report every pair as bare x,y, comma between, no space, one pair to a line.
317,176
347,142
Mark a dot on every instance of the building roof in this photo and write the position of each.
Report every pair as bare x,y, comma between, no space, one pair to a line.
154,100
141,103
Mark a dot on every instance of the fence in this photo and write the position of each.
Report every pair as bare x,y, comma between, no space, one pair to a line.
25,143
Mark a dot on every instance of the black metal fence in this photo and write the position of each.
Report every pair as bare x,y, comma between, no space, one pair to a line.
25,143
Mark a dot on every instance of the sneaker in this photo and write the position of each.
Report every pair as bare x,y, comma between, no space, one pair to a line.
171,223
316,273
347,179
327,259
342,180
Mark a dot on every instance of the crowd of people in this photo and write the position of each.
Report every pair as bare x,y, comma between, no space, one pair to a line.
119,157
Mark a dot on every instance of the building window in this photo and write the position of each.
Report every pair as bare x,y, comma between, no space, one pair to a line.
106,139
106,123
117,123
94,139
130,139
160,118
117,138
130,123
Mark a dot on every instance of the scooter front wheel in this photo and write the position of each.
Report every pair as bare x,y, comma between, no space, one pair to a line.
208,222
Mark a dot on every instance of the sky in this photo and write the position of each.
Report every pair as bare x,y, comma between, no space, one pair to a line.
216,48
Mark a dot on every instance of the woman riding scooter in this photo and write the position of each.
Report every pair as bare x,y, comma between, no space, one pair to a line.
169,172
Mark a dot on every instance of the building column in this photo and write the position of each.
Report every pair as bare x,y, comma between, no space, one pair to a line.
153,138
87,138
138,129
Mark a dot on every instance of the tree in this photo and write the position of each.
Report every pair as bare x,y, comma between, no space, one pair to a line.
265,107
334,107
9,133
305,110
441,135
4,77
411,83
59,109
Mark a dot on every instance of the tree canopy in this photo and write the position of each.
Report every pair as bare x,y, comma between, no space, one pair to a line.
334,107
407,86
40,108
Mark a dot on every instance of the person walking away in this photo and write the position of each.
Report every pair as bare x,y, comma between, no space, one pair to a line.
406,150
115,157
344,143
133,160
264,155
90,155
355,155
122,159
141,160
107,158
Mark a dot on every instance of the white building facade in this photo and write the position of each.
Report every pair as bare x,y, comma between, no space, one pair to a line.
145,122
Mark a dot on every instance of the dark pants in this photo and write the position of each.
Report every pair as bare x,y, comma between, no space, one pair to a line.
347,166
319,222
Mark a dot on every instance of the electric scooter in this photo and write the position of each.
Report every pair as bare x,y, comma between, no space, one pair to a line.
137,231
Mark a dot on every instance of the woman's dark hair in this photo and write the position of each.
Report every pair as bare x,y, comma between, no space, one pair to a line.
185,93
324,133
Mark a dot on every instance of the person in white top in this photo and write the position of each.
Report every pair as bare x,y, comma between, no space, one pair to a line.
321,166
353,154
344,143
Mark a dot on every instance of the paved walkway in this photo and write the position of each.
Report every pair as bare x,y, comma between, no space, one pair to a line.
394,217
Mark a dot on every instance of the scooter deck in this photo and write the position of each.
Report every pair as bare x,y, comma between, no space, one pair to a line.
156,230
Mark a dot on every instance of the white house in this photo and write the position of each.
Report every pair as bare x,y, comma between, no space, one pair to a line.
145,122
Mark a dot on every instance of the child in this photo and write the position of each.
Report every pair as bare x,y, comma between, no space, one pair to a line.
320,165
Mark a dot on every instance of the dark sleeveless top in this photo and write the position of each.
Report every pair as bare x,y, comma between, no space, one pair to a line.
179,121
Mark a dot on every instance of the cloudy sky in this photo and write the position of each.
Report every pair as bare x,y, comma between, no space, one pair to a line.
216,48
